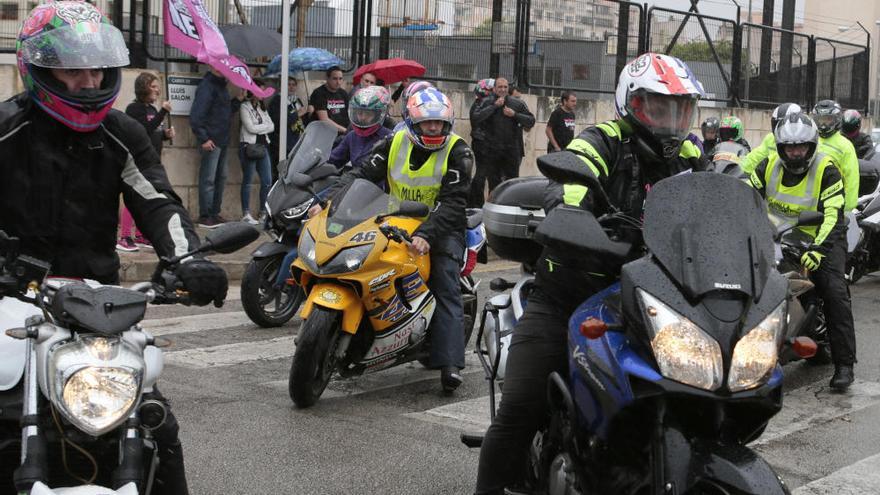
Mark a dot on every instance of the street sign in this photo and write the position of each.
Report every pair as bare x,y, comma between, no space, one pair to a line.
181,93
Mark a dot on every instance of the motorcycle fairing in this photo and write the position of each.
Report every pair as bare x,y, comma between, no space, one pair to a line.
338,297
13,314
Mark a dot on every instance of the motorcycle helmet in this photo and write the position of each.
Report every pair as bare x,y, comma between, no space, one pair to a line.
425,105
796,129
710,124
852,123
484,88
70,35
731,129
782,111
367,109
657,96
827,114
413,88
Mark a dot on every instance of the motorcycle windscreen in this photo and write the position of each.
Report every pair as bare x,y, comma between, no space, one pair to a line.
360,201
312,149
710,232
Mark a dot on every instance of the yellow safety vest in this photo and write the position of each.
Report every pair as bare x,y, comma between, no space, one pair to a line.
422,185
789,201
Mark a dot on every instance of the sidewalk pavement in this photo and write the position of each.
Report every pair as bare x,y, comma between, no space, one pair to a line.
138,266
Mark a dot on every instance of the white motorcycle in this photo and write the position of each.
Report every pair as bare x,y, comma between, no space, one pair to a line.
74,369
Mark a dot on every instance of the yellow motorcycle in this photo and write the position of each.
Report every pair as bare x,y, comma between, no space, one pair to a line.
368,306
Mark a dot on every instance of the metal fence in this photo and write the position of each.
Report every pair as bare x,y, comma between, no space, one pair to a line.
545,45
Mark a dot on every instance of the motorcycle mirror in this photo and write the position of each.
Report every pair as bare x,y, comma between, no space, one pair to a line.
229,237
810,218
567,168
413,209
574,231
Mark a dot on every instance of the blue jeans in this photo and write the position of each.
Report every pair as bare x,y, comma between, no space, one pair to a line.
447,324
264,169
212,181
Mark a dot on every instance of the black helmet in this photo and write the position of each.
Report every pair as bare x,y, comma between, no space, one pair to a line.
796,129
710,123
781,112
828,115
852,123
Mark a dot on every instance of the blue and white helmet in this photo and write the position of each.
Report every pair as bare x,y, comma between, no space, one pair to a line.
426,105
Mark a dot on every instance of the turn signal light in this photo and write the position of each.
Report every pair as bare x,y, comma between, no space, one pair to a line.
593,328
804,347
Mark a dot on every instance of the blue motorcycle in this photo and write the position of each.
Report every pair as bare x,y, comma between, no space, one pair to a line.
674,369
268,295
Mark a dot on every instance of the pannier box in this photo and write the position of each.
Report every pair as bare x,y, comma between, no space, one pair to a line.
869,176
512,207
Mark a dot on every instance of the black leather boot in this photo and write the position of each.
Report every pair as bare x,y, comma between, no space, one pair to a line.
843,377
450,378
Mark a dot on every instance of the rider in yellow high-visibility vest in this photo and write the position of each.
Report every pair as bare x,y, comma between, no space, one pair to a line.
828,115
428,163
800,178
768,144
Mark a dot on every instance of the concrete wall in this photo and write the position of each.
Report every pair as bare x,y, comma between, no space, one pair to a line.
181,159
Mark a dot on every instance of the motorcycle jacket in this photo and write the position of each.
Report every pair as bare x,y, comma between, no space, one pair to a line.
843,154
820,188
612,151
61,191
863,144
448,210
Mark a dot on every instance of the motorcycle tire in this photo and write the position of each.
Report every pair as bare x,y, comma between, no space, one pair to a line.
314,360
264,304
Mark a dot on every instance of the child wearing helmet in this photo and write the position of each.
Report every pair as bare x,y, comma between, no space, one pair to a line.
367,110
427,162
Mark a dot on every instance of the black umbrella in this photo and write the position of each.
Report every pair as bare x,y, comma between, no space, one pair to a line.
251,41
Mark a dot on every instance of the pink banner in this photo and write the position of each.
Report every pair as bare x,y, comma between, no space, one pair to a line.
188,27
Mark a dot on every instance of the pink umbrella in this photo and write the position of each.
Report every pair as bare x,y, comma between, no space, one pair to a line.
391,70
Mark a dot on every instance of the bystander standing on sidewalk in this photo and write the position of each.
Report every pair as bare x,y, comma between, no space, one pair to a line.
210,119
253,152
146,92
504,117
330,101
476,198
560,126
296,113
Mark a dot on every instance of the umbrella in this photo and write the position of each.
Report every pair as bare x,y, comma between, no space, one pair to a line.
251,41
391,70
303,59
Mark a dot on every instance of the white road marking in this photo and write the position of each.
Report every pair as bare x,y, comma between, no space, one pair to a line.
197,323
862,477
232,354
467,415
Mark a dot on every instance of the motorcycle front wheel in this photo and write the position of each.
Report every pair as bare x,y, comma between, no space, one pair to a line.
314,360
263,303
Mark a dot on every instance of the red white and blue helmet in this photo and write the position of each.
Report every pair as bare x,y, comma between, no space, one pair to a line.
426,105
413,88
70,35
657,95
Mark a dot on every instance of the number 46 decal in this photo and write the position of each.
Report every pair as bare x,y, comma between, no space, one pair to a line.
364,236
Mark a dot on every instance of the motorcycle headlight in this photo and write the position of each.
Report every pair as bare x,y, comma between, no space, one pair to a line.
756,354
96,382
347,260
683,351
306,251
298,210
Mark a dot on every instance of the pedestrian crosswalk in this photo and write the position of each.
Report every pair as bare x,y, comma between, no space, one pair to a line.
239,342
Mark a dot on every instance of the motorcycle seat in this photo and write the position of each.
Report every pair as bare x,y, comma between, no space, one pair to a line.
474,217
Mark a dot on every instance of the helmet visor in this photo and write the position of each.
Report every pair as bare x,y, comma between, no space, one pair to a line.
86,45
365,117
728,134
826,121
664,115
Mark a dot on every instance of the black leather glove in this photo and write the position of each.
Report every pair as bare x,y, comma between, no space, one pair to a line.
205,281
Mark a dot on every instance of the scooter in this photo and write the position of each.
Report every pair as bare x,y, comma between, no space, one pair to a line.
75,368
368,306
269,296
674,369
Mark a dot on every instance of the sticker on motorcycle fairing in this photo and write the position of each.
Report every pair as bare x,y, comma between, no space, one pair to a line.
364,237
408,333
377,288
581,359
381,278
334,228
719,285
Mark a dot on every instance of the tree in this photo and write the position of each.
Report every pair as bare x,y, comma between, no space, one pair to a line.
699,51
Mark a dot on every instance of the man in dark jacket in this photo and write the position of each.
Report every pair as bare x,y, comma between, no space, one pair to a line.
482,90
504,117
73,157
210,119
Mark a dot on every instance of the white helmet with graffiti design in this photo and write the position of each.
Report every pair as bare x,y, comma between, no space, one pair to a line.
657,96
